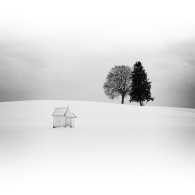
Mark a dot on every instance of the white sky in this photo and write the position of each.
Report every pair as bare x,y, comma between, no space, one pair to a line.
64,49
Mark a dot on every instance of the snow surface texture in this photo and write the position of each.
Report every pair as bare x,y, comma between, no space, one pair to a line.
113,149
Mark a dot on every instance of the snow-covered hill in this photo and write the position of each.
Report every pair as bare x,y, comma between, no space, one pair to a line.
113,149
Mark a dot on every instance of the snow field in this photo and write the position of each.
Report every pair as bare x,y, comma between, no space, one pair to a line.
113,149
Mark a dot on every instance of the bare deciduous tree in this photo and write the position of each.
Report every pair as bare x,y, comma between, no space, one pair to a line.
118,82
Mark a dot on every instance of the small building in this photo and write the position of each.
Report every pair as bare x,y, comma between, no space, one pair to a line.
62,117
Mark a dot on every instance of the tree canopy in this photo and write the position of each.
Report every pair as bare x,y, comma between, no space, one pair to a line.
140,88
118,82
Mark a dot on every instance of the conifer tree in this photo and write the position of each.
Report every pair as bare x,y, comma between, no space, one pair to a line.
140,87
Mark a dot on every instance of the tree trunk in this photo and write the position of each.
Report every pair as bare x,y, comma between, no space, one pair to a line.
140,103
123,97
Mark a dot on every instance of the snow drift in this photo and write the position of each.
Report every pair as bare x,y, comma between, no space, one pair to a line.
114,149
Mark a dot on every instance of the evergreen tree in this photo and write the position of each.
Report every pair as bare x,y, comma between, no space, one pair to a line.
118,82
140,88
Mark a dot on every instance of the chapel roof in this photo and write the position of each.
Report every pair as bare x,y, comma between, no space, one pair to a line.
60,111
64,111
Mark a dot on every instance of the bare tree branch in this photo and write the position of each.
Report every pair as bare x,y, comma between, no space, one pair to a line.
118,82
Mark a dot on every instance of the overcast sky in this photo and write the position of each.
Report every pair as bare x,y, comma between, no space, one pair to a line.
65,49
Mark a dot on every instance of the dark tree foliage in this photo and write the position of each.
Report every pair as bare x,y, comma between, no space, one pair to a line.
140,89
118,82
